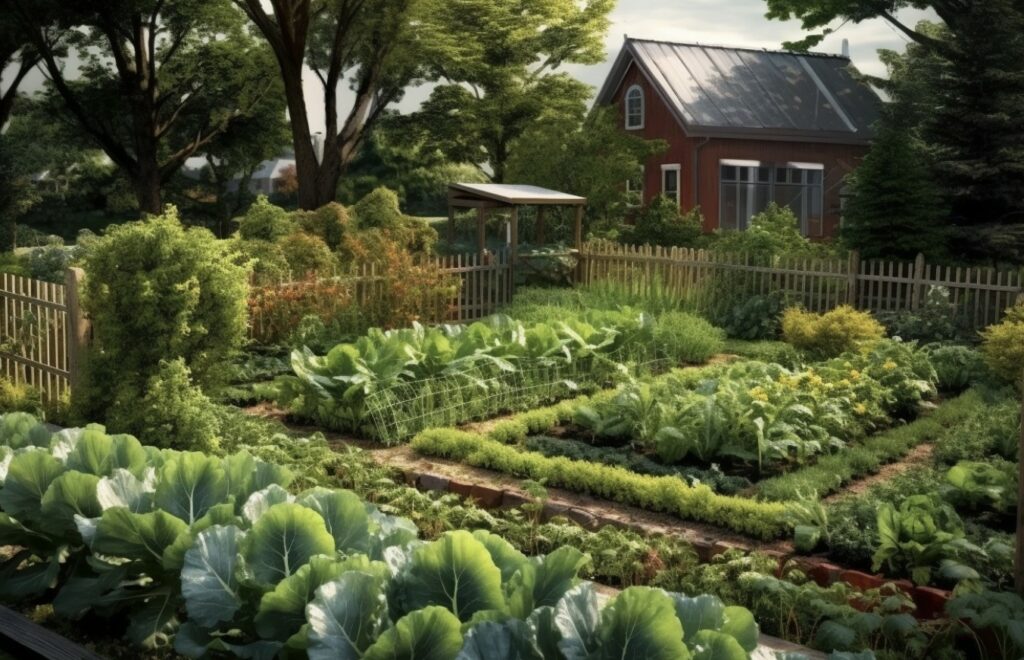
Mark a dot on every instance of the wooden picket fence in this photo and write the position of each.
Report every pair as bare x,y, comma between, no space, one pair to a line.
484,282
979,296
42,332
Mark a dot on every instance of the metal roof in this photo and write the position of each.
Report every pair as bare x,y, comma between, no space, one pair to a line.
507,193
719,91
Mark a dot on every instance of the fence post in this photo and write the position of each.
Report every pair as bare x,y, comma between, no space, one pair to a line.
78,325
915,293
853,270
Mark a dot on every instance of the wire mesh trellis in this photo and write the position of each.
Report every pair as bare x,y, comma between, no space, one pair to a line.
399,411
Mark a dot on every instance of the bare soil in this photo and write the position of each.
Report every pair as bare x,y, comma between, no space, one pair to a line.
919,455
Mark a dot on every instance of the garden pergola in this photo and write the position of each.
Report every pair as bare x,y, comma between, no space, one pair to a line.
485,197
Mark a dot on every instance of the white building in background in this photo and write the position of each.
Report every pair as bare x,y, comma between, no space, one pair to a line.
264,181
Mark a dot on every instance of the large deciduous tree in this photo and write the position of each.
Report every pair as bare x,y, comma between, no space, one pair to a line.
17,58
152,82
502,76
379,44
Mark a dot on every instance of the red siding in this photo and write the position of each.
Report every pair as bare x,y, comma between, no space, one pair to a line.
702,155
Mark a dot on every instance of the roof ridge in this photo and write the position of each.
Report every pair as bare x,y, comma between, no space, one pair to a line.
778,51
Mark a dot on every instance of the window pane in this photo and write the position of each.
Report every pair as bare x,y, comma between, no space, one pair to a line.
728,173
744,174
780,174
727,214
763,174
814,177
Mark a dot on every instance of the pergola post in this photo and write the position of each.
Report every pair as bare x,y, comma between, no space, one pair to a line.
514,234
579,227
541,229
481,231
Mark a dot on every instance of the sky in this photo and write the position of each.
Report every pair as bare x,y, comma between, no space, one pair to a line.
720,22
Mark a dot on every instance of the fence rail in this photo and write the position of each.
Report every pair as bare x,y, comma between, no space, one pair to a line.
979,296
41,332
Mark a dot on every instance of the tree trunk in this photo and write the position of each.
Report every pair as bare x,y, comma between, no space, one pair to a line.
1018,557
307,167
146,182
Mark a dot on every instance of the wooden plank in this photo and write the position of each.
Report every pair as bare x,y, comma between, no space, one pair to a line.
23,637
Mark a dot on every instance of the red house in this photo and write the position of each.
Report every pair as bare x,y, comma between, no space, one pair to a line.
744,127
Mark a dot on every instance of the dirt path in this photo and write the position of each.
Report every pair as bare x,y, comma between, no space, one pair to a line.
919,455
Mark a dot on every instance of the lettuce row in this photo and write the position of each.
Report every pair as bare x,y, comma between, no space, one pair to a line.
764,520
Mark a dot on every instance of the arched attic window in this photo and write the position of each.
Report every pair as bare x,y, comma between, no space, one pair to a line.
635,107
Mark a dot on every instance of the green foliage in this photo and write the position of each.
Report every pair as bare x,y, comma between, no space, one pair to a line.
1003,346
996,614
156,291
265,222
330,223
774,231
991,429
173,413
378,210
895,211
827,335
829,473
977,485
935,320
669,494
916,535
662,223
753,317
687,337
307,255
957,367
778,352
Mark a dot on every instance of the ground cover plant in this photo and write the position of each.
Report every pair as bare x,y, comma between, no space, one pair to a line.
390,384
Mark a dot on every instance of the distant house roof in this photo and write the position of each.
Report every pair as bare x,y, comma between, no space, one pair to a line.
507,193
718,91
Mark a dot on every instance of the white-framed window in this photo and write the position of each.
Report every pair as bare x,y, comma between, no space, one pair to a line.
747,187
745,190
800,187
670,181
635,188
634,107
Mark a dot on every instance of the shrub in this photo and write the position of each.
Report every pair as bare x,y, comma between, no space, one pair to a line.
172,414
935,320
957,367
330,223
20,397
157,291
48,263
266,260
661,223
378,210
1003,346
307,255
264,221
829,334
753,317
687,338
776,230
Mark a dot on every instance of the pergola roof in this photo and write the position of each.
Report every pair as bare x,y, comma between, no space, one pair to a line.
513,194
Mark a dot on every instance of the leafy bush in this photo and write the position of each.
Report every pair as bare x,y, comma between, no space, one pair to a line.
1003,346
173,414
265,222
330,223
49,263
753,317
991,429
662,223
156,291
380,209
778,352
20,397
307,255
957,367
685,337
935,320
774,231
827,335
266,259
